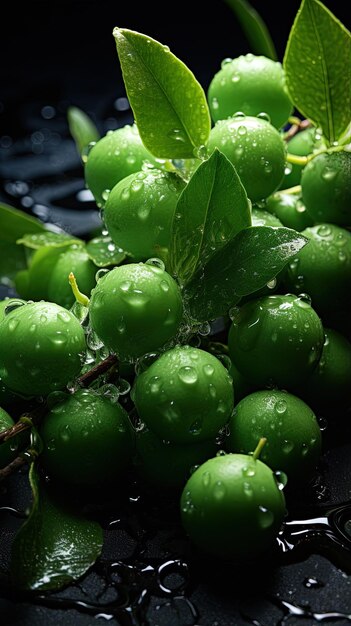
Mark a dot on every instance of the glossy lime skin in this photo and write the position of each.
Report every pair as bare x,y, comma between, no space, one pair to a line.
255,148
139,211
74,260
186,395
8,449
115,156
323,269
135,309
290,210
231,507
42,348
87,438
326,188
290,426
275,340
168,465
301,144
252,84
328,389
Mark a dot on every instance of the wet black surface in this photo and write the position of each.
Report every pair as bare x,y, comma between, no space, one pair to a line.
148,574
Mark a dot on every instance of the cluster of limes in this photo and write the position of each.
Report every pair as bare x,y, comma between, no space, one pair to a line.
288,345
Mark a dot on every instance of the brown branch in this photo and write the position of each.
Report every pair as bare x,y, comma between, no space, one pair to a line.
27,421
296,128
17,428
18,462
97,370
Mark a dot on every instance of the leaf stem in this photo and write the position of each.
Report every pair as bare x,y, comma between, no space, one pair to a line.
79,296
23,424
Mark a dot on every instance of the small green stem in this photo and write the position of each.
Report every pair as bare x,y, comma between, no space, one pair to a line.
292,190
296,159
259,448
79,296
294,120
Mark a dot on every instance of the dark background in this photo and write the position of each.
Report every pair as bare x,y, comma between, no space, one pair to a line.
64,51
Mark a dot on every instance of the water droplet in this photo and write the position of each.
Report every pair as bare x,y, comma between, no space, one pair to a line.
135,298
280,407
208,369
12,325
265,517
196,427
65,432
226,61
324,230
247,488
100,273
242,130
177,134
15,304
249,470
155,384
188,374
156,262
58,338
236,77
281,478
219,490
329,174
105,194
215,104
287,446
264,116
206,479
239,114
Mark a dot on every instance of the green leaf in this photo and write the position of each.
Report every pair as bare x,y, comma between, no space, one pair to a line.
169,104
82,128
247,263
15,223
317,64
254,28
103,252
48,239
54,546
211,210
12,260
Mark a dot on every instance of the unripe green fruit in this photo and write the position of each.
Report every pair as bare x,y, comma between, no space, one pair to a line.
168,465
115,156
255,148
42,345
326,188
327,390
232,507
186,395
252,84
323,269
87,438
260,217
139,211
74,260
290,210
290,426
135,309
47,276
301,144
275,340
